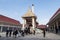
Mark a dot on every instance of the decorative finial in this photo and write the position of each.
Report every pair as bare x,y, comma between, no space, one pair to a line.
33,8
32,4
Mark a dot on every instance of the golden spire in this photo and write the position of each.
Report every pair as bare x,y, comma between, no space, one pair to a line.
29,13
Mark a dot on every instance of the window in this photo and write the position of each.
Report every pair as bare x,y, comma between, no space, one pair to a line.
4,29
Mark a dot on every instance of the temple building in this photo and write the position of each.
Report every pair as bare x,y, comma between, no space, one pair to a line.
29,19
54,22
7,23
42,27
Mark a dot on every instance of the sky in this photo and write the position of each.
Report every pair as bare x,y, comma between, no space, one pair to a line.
43,9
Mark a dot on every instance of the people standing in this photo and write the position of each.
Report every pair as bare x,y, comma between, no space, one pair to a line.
15,33
7,33
44,33
26,31
34,32
10,32
22,33
56,29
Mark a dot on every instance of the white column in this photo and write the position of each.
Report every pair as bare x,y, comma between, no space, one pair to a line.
24,21
24,24
33,23
1,28
8,28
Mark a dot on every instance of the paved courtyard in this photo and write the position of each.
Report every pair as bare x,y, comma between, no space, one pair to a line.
49,36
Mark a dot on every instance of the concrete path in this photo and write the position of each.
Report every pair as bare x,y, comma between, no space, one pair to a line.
49,36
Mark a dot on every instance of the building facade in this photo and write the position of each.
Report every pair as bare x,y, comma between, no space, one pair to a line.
54,22
42,27
29,20
7,23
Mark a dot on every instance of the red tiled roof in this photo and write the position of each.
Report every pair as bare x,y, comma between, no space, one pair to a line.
9,20
41,26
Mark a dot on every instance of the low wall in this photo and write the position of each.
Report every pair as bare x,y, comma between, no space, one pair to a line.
2,34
